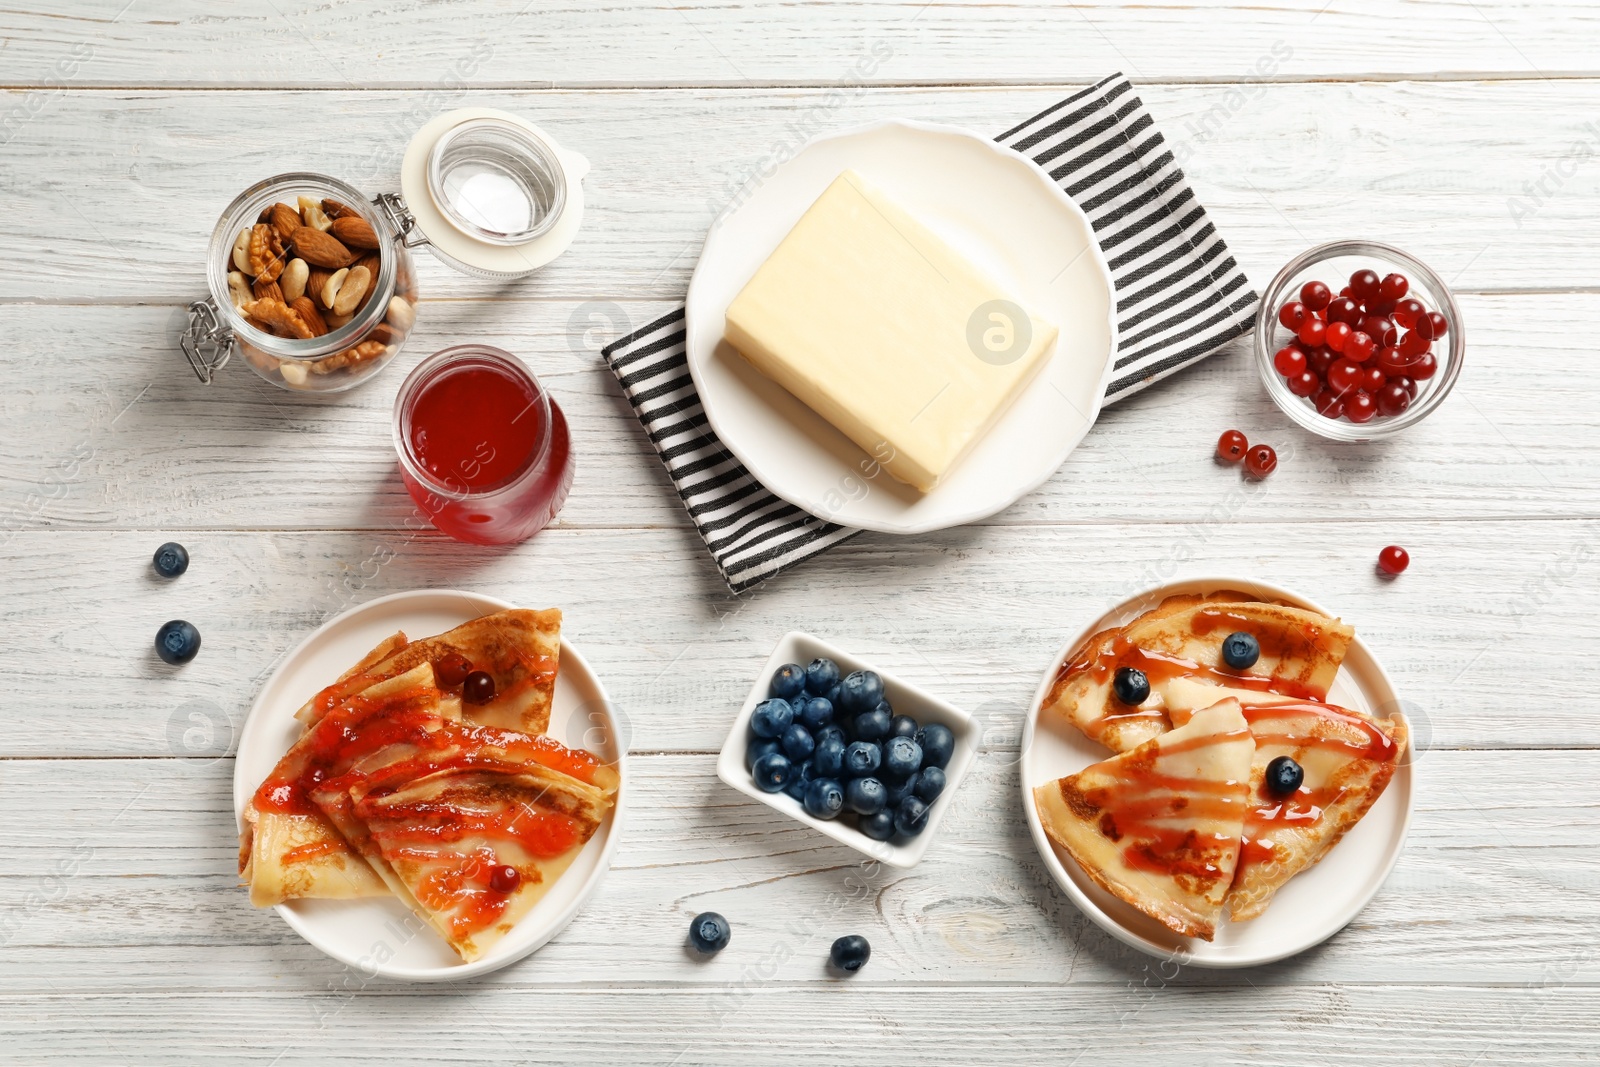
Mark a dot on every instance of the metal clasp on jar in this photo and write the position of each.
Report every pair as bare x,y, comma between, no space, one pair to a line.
207,343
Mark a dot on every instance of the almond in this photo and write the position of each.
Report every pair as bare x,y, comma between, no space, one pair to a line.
369,261
354,231
336,210
319,249
316,281
302,306
285,220
266,255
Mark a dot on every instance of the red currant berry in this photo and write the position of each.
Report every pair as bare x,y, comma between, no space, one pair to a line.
1372,378
1413,344
1343,376
1391,361
1338,333
1315,295
1380,307
1437,325
1293,315
1313,332
452,669
504,879
1329,403
1408,384
1261,461
1344,310
1393,399
1426,366
1231,446
1359,348
1407,310
478,688
1304,384
1360,407
1393,560
1381,330
1320,360
1364,285
1346,291
1290,360
1393,287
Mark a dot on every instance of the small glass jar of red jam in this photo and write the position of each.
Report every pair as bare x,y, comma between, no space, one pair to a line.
484,449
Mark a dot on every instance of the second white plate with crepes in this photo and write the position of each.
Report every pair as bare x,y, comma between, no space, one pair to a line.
380,937
991,204
1313,905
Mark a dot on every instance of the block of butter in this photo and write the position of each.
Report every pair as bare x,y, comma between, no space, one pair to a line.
887,332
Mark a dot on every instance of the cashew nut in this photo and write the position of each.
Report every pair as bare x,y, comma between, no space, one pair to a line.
239,289
402,315
351,290
241,250
311,211
330,288
293,280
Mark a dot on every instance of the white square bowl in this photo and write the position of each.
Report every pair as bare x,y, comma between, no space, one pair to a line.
906,699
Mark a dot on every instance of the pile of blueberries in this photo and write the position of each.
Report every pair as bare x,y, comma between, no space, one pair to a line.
834,744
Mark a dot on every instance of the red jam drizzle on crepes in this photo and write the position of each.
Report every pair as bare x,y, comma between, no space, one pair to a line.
1139,806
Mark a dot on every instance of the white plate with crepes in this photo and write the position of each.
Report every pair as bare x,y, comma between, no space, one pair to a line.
994,206
380,936
1315,903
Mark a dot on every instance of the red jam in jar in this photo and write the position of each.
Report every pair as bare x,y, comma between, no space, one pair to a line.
484,449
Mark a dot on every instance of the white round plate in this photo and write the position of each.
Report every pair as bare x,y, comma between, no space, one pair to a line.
378,936
1316,903
995,206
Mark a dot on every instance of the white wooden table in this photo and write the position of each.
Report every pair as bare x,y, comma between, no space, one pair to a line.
1467,133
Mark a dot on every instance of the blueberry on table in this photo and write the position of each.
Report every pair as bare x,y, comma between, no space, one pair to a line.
824,798
902,757
1130,685
709,932
862,758
815,713
788,680
860,691
866,796
898,791
912,817
771,717
938,744
829,757
872,725
850,953
171,560
902,726
1240,650
177,642
1284,776
822,674
930,783
798,744
762,746
772,772
879,826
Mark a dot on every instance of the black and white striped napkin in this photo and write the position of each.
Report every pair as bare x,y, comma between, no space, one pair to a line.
1180,297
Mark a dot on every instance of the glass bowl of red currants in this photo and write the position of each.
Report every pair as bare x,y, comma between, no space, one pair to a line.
1357,340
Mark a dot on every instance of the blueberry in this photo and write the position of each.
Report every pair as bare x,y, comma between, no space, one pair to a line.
177,641
829,757
788,680
824,798
832,694
938,744
815,713
902,726
772,772
709,932
1284,776
797,786
862,758
850,953
832,730
873,725
866,796
911,818
171,560
901,757
1240,650
1130,685
761,746
771,718
879,827
899,791
821,675
798,743
860,691
930,783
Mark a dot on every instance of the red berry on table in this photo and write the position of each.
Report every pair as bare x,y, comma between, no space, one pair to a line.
1293,315
1360,407
1337,334
1315,295
1406,311
1343,376
1393,559
1394,286
1304,384
1372,379
1393,399
1260,461
1329,403
1231,446
1425,367
1344,310
1360,347
1408,384
1320,360
1313,332
1290,360
1413,344
1364,285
